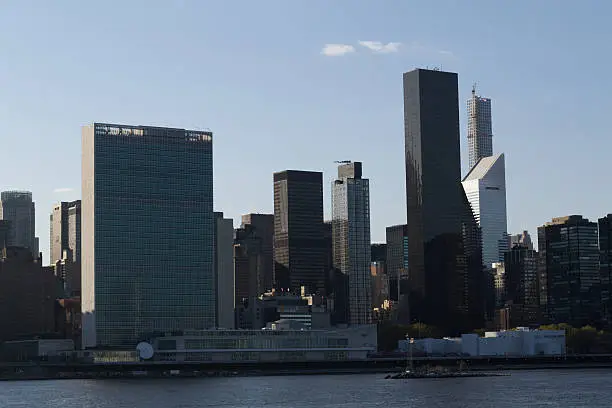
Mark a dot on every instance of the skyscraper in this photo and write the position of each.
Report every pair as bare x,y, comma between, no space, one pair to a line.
568,268
147,232
299,244
480,131
18,208
521,298
444,251
264,227
224,270
397,269
65,231
351,239
605,267
485,187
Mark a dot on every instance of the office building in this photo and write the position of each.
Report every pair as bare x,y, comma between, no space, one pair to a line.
444,247
485,187
379,252
264,227
396,266
480,130
309,311
299,244
65,231
520,299
147,232
18,208
523,239
568,268
605,267
5,230
69,273
223,264
27,295
351,239
248,263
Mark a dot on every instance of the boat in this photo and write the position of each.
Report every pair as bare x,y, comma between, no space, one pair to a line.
414,374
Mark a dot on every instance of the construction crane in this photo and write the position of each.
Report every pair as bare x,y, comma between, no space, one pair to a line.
342,161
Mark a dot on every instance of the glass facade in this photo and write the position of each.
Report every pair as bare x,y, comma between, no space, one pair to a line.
147,232
299,242
351,241
569,271
605,266
485,187
444,256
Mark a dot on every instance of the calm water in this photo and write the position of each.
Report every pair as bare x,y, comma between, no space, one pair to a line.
576,388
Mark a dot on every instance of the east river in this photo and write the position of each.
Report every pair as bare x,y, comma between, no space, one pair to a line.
538,388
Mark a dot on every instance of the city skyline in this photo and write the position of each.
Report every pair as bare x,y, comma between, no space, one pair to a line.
334,100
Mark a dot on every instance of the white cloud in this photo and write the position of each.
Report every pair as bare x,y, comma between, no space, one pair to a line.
445,52
337,50
63,190
381,48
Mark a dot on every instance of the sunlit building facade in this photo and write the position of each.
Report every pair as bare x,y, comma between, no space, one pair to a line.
485,188
147,232
351,239
480,129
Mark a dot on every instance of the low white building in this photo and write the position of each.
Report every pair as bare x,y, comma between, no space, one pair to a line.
282,341
521,342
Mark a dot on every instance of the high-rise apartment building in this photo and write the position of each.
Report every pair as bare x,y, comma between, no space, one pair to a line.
480,130
147,232
568,269
444,250
224,270
18,208
264,227
351,239
65,231
605,267
485,187
299,244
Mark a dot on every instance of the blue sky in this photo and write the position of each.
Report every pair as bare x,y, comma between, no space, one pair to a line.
255,74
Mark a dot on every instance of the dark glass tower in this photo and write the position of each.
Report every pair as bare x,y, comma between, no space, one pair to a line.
147,232
569,271
299,243
605,267
444,244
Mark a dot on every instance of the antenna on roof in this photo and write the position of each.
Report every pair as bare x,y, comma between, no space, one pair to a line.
474,89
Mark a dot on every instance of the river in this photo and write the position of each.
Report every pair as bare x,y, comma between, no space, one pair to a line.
538,388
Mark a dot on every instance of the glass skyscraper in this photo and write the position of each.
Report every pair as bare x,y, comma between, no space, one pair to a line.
445,269
569,271
480,129
147,232
351,241
299,242
485,187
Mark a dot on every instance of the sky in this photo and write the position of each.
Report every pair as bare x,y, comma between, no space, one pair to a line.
299,84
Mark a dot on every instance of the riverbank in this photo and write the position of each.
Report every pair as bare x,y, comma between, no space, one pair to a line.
160,374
